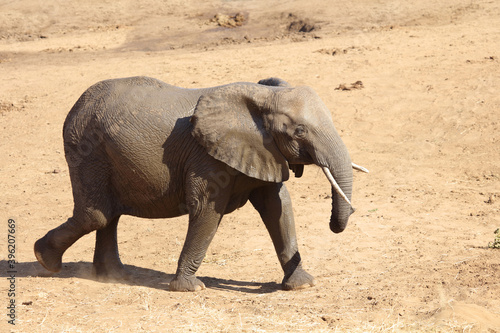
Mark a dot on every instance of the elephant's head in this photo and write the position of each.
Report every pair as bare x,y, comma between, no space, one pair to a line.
263,130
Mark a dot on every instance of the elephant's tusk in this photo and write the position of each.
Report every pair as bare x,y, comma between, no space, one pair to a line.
336,186
360,168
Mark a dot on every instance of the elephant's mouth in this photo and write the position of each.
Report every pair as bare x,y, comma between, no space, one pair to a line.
298,169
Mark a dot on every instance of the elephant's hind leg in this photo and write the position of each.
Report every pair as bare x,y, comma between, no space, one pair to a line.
50,248
93,211
275,207
107,263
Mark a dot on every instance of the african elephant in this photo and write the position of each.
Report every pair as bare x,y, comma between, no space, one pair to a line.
141,147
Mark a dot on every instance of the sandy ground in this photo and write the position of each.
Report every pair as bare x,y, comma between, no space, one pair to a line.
426,122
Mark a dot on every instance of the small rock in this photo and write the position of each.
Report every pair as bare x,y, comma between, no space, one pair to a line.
355,85
227,21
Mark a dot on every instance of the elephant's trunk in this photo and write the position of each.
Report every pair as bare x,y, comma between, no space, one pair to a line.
340,176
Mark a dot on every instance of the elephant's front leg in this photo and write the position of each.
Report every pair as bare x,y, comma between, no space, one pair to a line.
203,223
275,207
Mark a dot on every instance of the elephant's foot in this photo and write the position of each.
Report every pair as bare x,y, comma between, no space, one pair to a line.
299,279
111,272
50,248
47,255
182,283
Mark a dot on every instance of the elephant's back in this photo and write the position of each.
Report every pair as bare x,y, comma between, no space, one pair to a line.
136,102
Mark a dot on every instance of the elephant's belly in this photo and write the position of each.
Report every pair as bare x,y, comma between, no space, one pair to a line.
242,188
160,208
143,184
146,193
236,202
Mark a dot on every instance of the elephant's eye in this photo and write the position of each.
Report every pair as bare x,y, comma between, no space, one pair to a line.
300,131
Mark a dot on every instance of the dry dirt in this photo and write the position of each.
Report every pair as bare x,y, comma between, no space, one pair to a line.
426,122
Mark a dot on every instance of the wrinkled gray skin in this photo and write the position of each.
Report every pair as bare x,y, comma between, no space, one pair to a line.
140,147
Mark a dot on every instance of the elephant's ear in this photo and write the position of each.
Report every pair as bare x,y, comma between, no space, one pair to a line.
230,123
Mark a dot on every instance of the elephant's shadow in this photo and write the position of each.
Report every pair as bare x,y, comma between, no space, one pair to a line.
139,276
